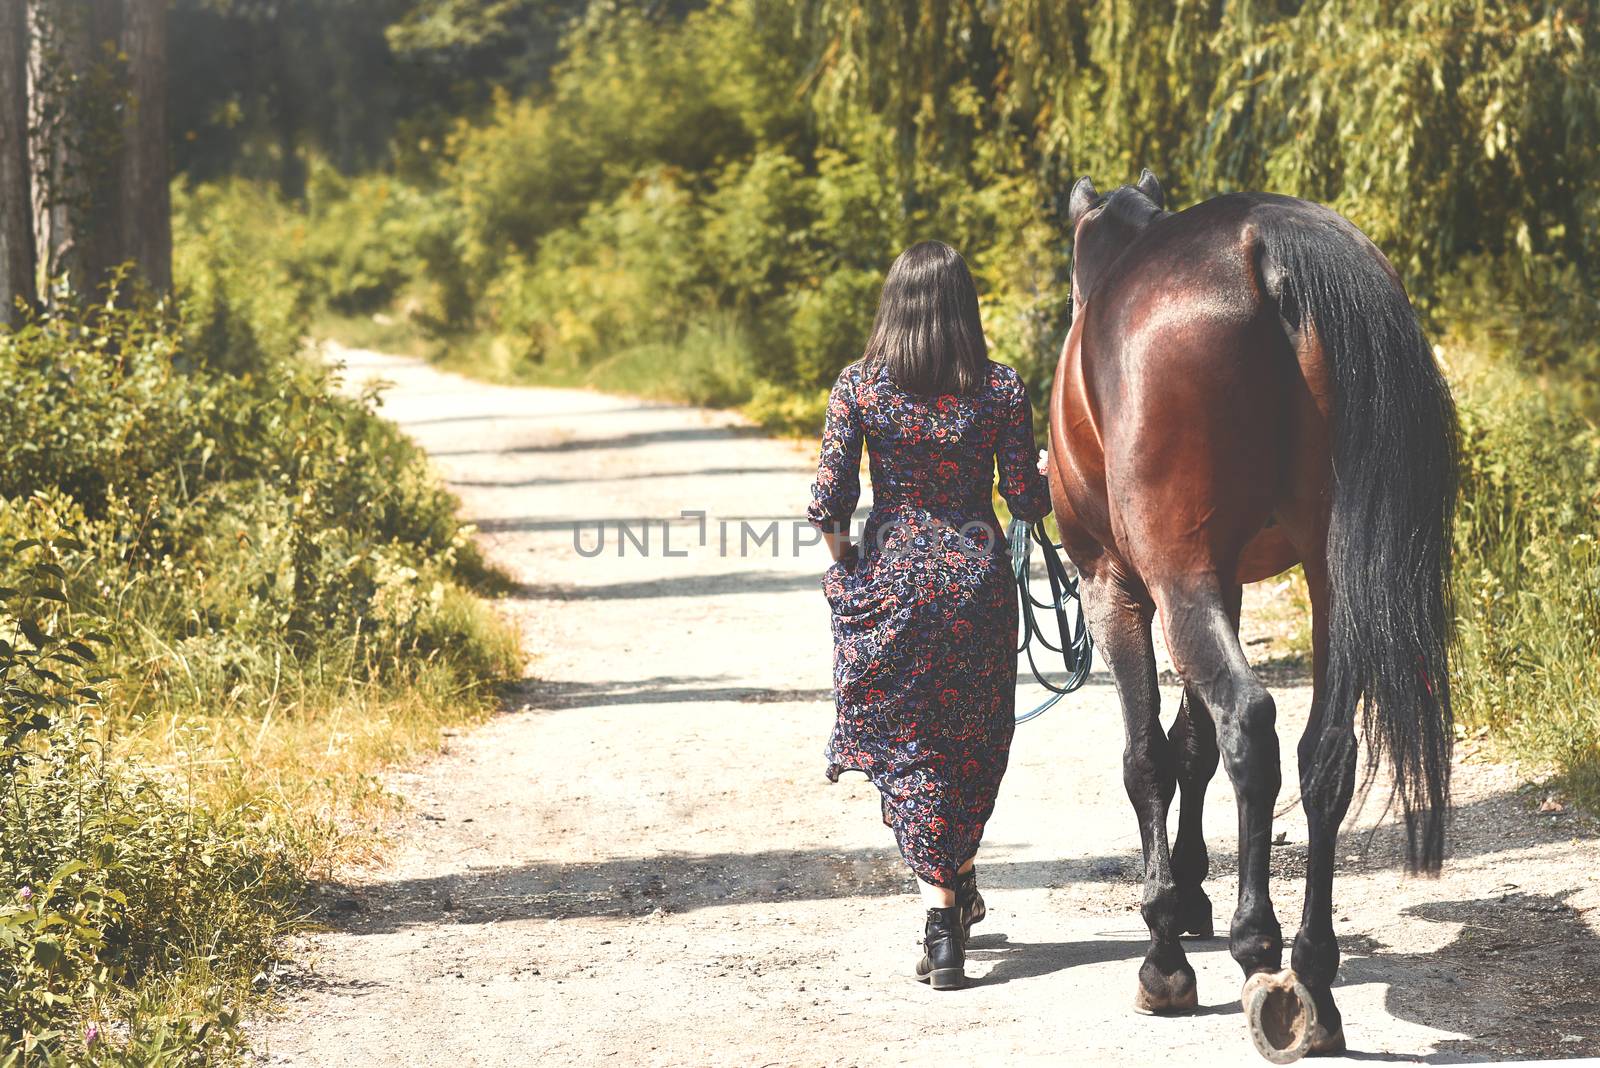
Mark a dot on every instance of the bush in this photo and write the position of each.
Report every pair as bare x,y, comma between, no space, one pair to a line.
1528,576
1534,313
240,253
257,269
107,881
279,595
829,324
365,239
627,274
280,506
633,93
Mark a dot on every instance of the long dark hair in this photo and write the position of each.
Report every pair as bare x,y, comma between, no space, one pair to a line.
927,333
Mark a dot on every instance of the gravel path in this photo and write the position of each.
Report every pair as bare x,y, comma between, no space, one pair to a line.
641,862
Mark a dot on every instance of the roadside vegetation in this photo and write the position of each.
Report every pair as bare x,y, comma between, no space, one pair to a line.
1527,667
228,596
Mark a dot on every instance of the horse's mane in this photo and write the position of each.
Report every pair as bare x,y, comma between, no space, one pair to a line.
1131,208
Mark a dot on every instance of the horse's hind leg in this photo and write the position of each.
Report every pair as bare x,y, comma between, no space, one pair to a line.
1193,740
1119,618
1325,793
1205,645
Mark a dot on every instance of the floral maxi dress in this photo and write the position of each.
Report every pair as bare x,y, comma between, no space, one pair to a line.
925,610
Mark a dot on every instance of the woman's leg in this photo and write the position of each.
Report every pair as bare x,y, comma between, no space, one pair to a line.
944,939
936,897
939,897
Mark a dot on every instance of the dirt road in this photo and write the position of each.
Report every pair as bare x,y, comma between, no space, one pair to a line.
642,863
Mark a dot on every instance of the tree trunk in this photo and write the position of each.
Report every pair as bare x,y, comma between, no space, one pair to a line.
55,51
146,208
17,282
74,98
100,101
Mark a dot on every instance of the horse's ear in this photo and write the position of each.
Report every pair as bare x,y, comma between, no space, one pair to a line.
1082,199
1151,188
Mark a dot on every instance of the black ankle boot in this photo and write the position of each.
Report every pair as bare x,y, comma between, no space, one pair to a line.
969,901
944,950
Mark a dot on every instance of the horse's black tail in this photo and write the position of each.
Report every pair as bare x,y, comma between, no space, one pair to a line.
1394,493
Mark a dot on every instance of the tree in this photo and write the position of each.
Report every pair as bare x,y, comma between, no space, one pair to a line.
146,204
73,130
17,264
98,140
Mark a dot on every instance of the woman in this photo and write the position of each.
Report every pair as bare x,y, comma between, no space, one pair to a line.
924,610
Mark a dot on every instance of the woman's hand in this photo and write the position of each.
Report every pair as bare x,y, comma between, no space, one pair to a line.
839,545
1044,462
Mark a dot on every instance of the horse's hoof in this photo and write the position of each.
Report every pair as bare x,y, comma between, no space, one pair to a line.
1199,930
1173,995
1281,1015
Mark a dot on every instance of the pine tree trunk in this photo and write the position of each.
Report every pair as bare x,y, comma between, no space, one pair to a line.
74,75
98,99
102,141
17,283
55,50
146,208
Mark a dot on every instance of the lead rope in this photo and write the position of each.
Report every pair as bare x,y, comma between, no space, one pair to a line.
1076,648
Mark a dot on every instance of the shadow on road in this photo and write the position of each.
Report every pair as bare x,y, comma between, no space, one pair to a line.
635,440
1518,977
684,881
546,695
1011,961
632,476
697,585
522,417
1517,974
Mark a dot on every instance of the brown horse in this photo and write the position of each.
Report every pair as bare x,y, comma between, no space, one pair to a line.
1245,387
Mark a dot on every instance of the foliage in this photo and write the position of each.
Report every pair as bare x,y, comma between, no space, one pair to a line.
267,86
504,41
1537,313
276,505
353,246
280,599
262,82
241,310
1445,127
830,134
1528,583
762,164
107,878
